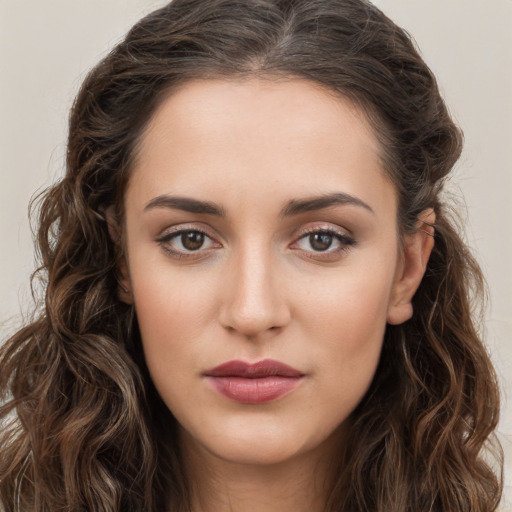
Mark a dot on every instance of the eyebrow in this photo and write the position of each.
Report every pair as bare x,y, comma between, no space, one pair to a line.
294,207
297,206
186,204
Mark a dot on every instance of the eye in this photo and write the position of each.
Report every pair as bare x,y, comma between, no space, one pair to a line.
186,242
323,242
191,240
320,241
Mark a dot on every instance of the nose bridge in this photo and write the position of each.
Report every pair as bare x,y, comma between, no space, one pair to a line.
254,301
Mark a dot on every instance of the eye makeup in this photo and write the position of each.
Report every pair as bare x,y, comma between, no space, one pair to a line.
319,242
323,243
189,242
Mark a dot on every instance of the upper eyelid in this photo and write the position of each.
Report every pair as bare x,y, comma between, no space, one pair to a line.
320,229
345,235
323,227
166,238
343,238
180,228
175,230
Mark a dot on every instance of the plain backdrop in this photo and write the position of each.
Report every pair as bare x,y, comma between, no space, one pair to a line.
47,46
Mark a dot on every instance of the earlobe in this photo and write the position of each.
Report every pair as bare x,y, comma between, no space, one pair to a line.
122,275
416,253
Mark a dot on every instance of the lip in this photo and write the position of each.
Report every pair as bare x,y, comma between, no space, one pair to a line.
254,383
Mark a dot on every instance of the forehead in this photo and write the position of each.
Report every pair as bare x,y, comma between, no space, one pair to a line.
292,107
209,135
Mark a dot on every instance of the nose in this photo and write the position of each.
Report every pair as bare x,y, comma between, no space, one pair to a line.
254,301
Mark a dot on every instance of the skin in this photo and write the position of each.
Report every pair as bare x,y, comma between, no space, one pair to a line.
258,287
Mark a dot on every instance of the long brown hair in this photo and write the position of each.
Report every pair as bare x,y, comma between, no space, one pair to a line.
81,421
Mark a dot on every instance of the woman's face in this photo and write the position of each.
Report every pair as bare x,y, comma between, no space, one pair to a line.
263,263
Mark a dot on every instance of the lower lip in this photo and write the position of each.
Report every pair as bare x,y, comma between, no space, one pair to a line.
254,391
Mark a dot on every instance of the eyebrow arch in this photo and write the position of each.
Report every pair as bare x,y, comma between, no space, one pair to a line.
186,204
297,206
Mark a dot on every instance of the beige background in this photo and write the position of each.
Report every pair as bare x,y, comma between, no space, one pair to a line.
46,47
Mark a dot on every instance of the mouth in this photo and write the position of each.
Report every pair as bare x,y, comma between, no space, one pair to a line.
256,383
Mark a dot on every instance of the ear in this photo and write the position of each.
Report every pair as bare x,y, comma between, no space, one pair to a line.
416,252
115,231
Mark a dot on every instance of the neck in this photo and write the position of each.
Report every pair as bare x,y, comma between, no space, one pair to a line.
300,484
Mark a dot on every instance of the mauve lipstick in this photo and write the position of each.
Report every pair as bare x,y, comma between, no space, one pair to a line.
254,383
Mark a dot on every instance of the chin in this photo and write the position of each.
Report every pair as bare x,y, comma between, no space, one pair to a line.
263,443
260,453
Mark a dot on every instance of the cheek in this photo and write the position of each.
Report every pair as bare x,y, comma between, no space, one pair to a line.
347,320
170,328
173,309
168,299
352,304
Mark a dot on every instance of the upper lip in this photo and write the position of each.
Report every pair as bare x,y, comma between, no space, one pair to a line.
259,369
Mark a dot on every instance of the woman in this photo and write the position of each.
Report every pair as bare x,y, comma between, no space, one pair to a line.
256,299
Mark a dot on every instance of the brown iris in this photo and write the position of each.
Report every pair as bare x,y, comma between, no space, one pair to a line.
192,240
320,241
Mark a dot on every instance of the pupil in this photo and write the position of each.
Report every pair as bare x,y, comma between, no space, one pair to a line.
192,240
320,241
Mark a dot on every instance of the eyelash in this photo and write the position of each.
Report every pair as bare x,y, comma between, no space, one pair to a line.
345,241
165,240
